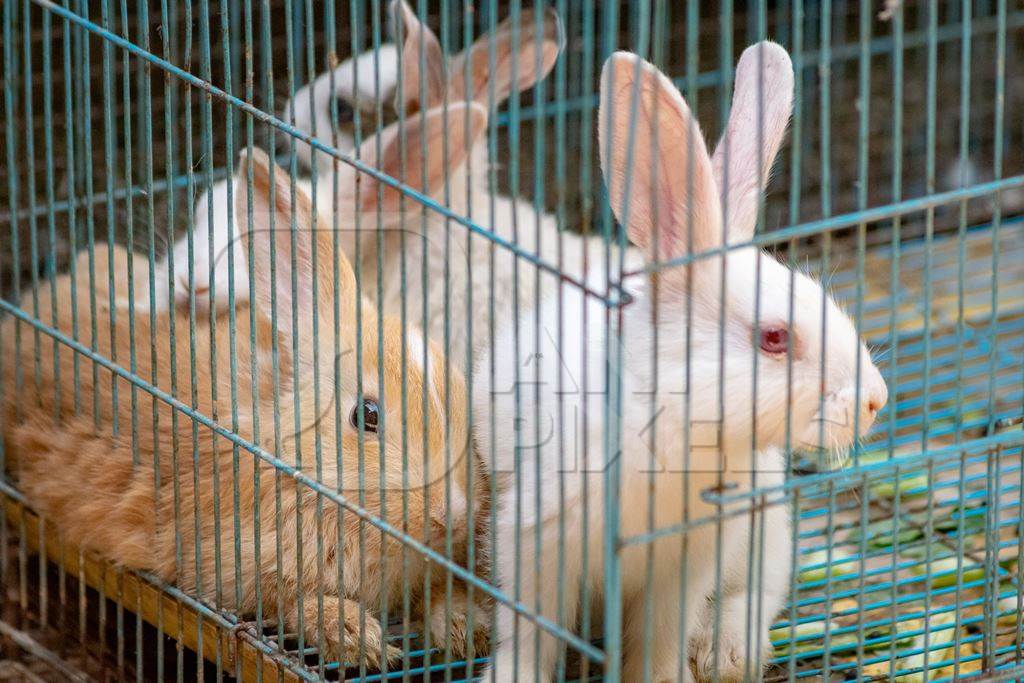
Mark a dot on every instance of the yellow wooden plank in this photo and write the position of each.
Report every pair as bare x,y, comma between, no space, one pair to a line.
147,601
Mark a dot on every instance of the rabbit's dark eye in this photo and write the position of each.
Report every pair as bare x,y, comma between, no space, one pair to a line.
774,340
346,114
371,414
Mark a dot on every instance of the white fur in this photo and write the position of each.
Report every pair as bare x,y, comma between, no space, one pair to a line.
448,269
312,115
685,347
361,81
204,270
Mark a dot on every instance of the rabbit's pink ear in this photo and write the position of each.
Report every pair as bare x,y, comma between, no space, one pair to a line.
421,151
655,163
528,47
421,58
761,107
275,220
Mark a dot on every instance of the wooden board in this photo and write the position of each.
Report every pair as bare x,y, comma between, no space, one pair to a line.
214,639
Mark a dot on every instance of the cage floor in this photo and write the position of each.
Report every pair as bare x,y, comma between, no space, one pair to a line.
899,559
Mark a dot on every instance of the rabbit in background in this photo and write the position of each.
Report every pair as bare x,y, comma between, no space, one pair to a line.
429,266
356,85
140,496
687,343
215,278
457,282
219,280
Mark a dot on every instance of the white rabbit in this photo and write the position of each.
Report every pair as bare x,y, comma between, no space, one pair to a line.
351,92
205,223
356,84
541,398
454,280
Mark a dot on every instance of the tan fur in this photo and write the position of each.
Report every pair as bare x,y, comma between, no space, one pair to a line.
138,496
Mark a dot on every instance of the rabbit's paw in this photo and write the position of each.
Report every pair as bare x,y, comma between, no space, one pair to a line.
362,637
450,622
736,657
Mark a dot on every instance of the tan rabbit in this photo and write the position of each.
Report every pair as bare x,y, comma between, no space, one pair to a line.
158,494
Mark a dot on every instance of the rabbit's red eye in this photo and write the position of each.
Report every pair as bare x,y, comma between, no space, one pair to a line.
774,340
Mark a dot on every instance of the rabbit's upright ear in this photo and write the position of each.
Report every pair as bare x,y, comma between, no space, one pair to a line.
421,151
523,52
761,106
275,219
656,166
421,57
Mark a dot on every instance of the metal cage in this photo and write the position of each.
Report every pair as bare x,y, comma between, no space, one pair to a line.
211,441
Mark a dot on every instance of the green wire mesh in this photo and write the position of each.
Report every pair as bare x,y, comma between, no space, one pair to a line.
901,186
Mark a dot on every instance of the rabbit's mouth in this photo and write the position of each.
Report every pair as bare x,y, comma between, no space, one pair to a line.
834,428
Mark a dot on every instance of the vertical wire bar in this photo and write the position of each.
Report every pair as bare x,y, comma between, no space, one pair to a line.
755,578
611,412
355,44
961,328
266,46
146,119
930,145
249,67
9,116
560,220
725,27
93,276
424,321
471,493
229,144
863,143
10,85
722,589
206,133
85,85
169,19
29,160
643,48
133,365
358,13
894,276
337,349
110,159
196,493
825,152
400,89
317,410
796,160
110,163
50,217
538,132
513,133
691,96
446,339
291,38
997,172
492,145
69,150
130,229
383,426
590,52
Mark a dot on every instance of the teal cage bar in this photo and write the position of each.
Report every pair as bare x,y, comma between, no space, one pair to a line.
268,456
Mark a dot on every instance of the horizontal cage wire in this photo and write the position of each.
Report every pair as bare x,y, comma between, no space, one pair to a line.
559,340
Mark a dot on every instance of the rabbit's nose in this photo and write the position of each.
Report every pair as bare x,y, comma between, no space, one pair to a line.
876,394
